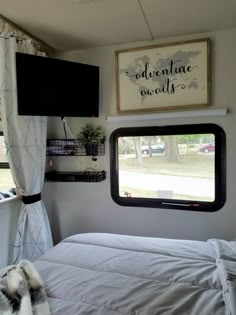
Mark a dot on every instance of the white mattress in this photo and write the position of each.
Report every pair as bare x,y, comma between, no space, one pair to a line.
116,274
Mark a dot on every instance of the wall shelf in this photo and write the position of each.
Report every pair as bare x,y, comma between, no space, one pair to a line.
168,115
72,147
86,176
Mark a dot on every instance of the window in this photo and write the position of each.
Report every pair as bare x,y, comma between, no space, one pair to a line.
174,167
6,181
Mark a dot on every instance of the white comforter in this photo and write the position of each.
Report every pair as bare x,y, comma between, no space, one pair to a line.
119,275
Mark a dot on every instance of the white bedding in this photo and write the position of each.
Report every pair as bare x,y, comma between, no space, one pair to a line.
116,274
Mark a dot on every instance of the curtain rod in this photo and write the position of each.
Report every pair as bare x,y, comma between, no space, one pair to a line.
42,43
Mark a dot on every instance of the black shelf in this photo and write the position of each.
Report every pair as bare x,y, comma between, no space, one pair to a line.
85,176
73,147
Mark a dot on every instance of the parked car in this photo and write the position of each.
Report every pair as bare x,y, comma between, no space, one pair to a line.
156,148
210,147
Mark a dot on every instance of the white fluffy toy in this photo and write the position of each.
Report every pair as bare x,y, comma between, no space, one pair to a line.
22,291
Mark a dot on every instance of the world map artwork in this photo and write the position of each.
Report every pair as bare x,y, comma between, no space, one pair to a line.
152,77
165,72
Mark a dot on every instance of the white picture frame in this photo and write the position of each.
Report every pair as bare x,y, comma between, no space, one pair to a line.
163,77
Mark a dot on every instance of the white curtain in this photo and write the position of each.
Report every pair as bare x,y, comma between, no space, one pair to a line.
25,138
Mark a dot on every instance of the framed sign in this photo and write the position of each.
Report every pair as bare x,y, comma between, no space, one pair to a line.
163,77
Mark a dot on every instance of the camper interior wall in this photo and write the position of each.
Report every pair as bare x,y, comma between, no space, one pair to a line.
88,207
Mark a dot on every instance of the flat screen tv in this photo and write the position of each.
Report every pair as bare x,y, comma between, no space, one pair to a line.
54,87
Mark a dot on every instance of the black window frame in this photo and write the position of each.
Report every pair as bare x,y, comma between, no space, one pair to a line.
3,164
220,167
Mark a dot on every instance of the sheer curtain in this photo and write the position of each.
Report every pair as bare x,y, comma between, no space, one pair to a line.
25,138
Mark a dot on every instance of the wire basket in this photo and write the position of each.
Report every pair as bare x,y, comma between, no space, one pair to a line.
65,147
86,176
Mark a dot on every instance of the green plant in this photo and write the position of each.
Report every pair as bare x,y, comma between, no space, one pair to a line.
92,134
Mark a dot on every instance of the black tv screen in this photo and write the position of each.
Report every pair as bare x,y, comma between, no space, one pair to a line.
54,87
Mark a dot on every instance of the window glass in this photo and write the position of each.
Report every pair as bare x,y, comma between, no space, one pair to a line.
178,167
6,181
3,150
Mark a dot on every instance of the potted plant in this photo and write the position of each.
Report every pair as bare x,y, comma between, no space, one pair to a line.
91,136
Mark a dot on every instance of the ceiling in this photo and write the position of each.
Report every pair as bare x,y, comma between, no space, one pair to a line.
75,24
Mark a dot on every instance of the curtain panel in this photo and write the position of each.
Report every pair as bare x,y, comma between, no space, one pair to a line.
25,138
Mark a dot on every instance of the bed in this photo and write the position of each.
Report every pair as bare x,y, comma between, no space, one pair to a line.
103,274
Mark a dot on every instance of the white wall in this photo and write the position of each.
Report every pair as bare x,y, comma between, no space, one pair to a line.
88,207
